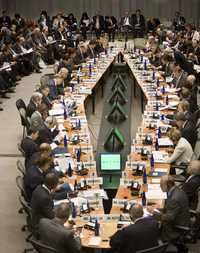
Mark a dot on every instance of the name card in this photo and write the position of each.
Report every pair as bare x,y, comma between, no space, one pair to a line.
121,202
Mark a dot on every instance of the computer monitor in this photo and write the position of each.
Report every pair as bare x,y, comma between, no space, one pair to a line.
110,162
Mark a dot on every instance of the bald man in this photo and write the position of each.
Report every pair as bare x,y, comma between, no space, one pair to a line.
143,234
176,210
192,183
192,86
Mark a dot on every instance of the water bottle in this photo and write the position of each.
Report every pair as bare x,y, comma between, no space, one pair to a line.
159,133
144,200
144,176
65,141
141,58
90,69
158,82
163,90
78,79
156,145
96,228
157,106
153,76
152,162
95,61
65,114
145,65
79,123
69,171
167,100
74,213
78,155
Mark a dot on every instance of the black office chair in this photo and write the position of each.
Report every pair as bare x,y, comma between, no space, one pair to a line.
21,168
158,249
21,107
20,185
20,149
27,210
42,248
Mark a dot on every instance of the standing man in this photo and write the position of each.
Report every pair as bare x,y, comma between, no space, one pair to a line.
126,24
138,24
98,24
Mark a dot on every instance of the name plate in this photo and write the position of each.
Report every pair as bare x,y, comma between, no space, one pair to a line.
103,217
121,202
94,181
88,165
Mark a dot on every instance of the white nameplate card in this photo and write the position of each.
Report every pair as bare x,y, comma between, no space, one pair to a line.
121,202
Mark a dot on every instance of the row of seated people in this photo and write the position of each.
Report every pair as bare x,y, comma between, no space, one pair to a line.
28,48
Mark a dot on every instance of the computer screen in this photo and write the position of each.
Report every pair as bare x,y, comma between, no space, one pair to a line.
110,162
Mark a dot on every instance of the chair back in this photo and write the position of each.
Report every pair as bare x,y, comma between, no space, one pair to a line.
158,249
20,104
20,149
27,209
41,247
20,185
198,200
21,168
21,107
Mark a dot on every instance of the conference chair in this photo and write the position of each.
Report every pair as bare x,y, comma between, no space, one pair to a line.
21,168
21,107
20,186
42,248
158,249
27,210
20,149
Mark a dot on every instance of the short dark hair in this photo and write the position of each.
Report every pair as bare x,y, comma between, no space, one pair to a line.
44,86
180,116
51,181
63,211
32,130
43,160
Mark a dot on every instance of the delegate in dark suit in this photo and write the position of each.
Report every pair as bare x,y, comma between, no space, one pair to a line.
31,108
41,204
189,133
190,187
46,135
57,236
176,213
32,179
29,147
141,235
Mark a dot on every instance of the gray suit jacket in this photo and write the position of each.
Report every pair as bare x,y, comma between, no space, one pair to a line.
36,121
176,212
57,236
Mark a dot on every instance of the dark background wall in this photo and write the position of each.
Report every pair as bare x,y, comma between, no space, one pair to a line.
160,8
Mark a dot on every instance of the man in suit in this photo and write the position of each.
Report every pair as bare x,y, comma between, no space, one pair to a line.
56,235
98,24
191,84
90,49
35,174
179,22
44,90
49,130
110,27
35,100
138,24
80,54
126,24
187,128
5,20
38,117
42,200
29,145
192,183
143,234
175,212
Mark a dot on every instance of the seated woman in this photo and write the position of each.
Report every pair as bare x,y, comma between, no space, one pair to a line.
183,150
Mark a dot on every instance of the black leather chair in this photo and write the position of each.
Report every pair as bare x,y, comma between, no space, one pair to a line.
158,249
20,185
42,248
21,107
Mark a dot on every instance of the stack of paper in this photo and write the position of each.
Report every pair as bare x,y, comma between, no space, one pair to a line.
155,192
160,156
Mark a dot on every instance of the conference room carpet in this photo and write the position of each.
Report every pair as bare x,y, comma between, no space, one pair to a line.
12,239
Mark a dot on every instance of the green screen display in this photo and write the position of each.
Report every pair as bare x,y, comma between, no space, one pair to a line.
110,162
